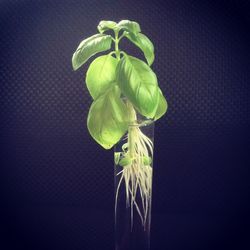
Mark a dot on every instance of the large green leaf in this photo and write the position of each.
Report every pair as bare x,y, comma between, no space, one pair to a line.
143,42
139,84
162,106
129,26
107,118
90,47
101,75
106,25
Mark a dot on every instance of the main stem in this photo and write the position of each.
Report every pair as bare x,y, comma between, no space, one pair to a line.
137,175
131,111
117,51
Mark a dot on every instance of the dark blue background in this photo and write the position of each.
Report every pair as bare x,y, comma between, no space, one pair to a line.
56,183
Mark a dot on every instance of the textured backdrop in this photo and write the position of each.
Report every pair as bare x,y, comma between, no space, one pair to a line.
56,183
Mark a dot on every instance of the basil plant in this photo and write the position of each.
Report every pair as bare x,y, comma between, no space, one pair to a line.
123,86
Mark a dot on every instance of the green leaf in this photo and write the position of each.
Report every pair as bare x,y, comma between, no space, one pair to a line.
125,161
101,75
129,26
90,47
107,118
147,160
106,25
143,42
139,84
162,106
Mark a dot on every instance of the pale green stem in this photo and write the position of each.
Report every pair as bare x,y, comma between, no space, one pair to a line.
132,121
117,51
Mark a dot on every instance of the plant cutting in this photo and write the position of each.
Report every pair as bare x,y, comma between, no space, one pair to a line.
123,87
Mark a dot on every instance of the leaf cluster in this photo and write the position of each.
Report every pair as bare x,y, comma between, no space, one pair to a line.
115,75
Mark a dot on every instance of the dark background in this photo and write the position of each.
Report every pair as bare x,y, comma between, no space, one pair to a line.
56,183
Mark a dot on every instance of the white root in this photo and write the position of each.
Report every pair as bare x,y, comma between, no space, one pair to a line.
137,176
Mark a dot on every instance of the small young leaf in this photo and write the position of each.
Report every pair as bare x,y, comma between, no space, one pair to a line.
147,160
101,75
143,42
90,47
162,106
107,118
125,161
129,26
106,25
125,147
139,84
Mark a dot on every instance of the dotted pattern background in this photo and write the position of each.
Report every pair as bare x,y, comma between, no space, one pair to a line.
57,183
